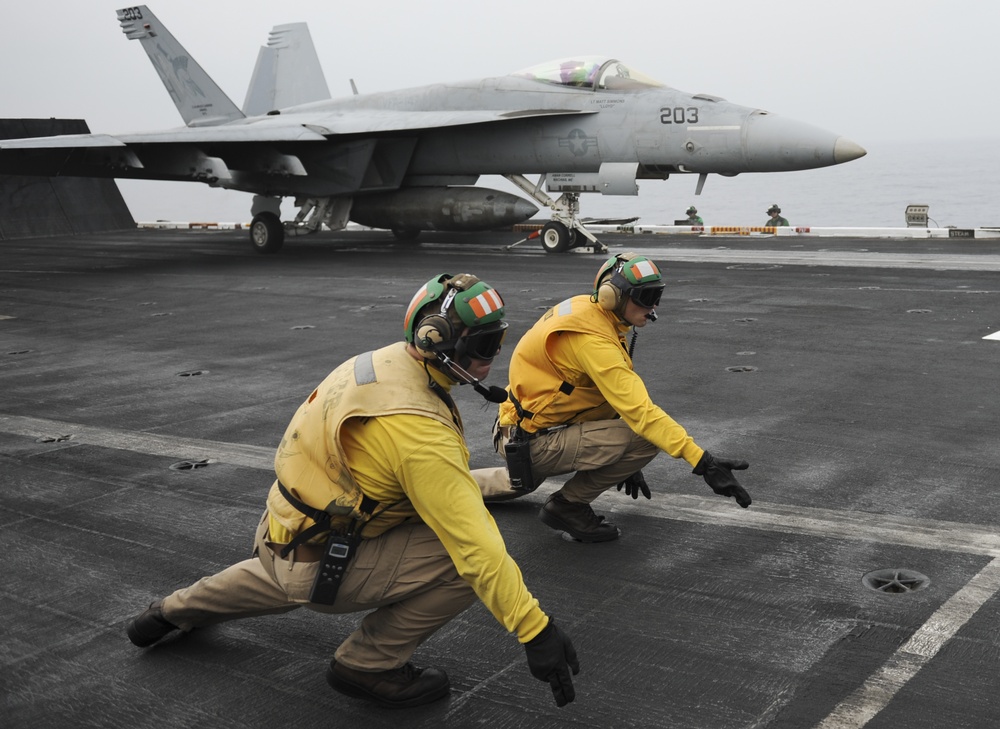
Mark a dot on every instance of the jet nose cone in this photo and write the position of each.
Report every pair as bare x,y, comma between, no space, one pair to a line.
844,150
775,144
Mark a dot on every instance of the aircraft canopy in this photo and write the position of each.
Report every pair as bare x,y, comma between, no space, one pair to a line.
589,72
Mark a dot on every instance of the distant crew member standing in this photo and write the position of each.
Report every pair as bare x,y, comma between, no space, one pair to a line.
693,217
775,220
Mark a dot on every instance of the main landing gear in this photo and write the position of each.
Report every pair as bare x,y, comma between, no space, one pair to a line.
267,233
564,231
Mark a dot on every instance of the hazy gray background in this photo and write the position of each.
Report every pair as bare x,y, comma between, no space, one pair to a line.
884,73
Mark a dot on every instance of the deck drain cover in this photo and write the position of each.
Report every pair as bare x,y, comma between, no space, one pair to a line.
895,580
189,465
53,438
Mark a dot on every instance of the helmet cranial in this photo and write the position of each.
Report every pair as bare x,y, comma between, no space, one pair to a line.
460,315
619,279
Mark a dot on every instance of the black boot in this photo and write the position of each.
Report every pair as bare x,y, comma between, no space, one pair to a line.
397,689
577,520
150,626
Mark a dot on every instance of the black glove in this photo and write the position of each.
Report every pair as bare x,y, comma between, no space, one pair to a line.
551,655
718,473
634,484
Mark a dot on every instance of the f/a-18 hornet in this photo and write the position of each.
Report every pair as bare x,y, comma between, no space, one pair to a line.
408,160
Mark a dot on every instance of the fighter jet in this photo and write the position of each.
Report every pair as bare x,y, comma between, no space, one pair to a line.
409,160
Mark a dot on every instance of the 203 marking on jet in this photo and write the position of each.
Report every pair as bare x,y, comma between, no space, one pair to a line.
409,160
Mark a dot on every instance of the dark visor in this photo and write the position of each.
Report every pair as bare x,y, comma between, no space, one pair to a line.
646,296
484,342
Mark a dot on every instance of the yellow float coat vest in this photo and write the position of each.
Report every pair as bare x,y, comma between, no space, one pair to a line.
536,383
310,459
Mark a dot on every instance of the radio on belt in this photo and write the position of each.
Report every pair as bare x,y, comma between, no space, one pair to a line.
336,556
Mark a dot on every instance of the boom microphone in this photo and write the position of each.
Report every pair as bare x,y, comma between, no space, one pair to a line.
492,394
651,316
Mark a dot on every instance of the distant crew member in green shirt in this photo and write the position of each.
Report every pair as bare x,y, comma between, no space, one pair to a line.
775,220
693,217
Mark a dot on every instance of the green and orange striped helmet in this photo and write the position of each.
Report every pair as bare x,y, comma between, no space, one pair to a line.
627,276
461,316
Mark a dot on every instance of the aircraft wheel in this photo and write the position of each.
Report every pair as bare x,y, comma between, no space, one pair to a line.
267,234
405,233
555,237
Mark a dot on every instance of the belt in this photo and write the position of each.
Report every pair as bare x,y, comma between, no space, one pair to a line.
301,553
544,431
505,430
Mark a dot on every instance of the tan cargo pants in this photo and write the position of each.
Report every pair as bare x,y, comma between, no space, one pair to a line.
404,575
600,454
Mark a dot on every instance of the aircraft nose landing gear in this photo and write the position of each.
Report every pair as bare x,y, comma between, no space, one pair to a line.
556,237
564,231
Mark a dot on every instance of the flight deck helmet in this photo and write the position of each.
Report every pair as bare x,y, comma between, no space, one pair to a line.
627,276
458,316
774,209
692,210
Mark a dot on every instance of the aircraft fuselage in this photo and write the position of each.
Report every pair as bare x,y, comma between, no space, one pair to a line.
662,130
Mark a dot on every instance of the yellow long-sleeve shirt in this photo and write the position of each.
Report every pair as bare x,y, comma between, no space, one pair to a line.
408,456
579,343
626,393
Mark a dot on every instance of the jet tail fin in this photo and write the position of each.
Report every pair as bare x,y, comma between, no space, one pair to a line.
288,72
197,97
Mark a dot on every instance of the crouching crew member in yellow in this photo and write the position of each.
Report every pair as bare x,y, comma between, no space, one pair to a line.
376,458
576,400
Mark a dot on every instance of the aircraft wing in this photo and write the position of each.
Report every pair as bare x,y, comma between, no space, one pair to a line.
62,141
338,143
180,135
304,127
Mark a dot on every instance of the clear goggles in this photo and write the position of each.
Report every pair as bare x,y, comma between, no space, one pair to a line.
646,296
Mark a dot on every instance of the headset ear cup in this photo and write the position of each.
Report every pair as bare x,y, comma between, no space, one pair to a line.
608,296
430,331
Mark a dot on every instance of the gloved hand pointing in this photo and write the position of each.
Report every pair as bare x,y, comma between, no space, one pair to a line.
718,473
634,484
551,655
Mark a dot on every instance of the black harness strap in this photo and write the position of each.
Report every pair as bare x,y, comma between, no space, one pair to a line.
322,518
565,388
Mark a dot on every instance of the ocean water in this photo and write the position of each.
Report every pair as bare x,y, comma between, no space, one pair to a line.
960,181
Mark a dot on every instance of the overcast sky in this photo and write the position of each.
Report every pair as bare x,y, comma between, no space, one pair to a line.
872,70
